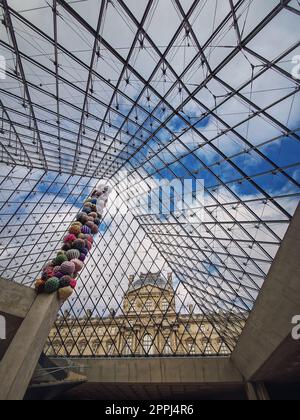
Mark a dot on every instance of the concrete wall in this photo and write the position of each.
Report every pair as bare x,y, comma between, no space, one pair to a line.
15,303
35,315
158,370
270,323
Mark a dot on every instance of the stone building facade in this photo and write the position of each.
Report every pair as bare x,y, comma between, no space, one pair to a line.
149,326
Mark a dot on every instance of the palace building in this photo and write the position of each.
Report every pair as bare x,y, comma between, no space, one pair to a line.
149,325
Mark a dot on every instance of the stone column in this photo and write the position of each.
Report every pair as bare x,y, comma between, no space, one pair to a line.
262,392
157,341
21,358
174,339
136,338
257,391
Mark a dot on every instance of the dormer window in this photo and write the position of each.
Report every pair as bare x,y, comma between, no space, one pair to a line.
149,305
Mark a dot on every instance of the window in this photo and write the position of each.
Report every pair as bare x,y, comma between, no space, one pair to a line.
114,331
149,305
134,306
95,346
110,348
165,305
69,345
191,347
204,342
168,347
148,344
128,346
203,328
82,345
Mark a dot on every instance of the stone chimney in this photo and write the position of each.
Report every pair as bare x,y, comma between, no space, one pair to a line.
131,280
170,280
112,313
88,314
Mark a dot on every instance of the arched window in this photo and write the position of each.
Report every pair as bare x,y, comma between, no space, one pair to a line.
57,346
82,345
95,346
69,345
148,344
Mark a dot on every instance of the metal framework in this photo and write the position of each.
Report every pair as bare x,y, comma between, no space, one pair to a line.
135,92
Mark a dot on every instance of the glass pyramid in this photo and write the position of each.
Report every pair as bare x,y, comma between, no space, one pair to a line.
149,95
